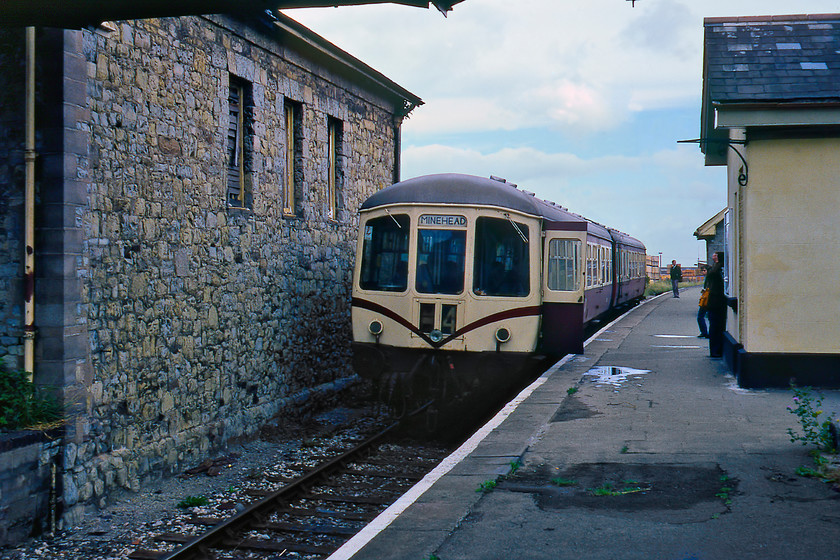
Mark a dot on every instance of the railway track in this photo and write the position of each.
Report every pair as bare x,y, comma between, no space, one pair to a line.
311,515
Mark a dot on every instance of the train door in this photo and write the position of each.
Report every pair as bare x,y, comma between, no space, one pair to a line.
440,275
563,284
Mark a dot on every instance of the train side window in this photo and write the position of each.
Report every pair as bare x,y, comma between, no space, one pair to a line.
440,261
385,254
502,264
564,265
591,265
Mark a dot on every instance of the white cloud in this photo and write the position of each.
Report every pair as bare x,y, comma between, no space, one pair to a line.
577,68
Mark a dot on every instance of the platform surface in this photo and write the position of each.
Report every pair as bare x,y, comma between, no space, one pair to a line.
641,448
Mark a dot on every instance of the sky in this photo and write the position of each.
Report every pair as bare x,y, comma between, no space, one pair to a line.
580,102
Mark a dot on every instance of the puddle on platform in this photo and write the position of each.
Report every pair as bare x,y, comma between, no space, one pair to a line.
613,375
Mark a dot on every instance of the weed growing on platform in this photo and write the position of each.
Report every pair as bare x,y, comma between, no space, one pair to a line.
724,491
515,465
486,486
564,482
815,424
628,487
193,501
571,391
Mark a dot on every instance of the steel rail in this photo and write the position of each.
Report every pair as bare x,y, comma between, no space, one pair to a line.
198,547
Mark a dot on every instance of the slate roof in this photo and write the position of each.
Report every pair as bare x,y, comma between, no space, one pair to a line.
789,59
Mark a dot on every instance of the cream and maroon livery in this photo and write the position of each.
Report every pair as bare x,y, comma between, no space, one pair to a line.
475,277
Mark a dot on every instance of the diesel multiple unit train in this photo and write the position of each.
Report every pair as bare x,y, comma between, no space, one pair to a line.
461,282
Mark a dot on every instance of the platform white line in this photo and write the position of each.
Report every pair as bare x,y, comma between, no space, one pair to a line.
388,516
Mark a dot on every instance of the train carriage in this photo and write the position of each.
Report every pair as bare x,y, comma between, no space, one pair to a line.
464,280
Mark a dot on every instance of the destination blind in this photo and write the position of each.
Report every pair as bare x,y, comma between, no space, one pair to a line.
442,220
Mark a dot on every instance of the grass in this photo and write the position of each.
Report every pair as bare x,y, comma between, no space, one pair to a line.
656,287
193,501
564,482
627,487
486,486
24,405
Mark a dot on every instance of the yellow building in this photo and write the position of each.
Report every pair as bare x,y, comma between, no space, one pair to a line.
771,114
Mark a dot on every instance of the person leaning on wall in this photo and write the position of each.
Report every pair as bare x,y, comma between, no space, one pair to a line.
716,306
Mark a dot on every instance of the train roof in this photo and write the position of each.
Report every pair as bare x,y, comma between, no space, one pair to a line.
455,188
622,238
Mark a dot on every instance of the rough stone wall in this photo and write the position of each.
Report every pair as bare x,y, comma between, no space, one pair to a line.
26,482
12,108
202,318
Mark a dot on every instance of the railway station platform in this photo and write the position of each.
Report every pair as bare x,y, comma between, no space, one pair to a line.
641,448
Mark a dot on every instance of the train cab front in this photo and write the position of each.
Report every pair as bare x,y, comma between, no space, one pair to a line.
445,291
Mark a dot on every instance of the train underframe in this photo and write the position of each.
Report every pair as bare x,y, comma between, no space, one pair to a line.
406,379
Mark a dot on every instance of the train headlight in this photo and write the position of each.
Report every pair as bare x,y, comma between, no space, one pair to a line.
502,335
375,328
436,336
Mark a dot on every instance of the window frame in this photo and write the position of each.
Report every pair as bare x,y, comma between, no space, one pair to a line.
335,168
239,133
292,118
575,259
478,278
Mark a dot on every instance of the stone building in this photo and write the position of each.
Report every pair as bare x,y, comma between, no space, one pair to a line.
197,185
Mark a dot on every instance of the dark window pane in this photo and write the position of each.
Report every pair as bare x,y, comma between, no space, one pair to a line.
448,316
440,261
502,265
385,254
427,317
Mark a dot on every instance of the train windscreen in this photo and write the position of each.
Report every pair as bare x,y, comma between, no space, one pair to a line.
502,264
385,254
440,261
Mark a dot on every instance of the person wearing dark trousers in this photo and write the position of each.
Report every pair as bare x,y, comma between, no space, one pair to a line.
702,313
676,278
716,307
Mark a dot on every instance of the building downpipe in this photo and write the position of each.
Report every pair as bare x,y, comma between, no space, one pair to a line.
29,212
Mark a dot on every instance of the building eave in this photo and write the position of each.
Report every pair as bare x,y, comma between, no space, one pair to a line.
776,113
323,52
709,228
70,14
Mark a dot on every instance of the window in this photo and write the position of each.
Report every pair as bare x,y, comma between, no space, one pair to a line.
564,265
440,261
335,171
239,143
385,254
502,264
294,158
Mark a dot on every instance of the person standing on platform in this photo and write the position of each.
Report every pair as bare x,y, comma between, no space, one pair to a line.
702,313
676,278
716,308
